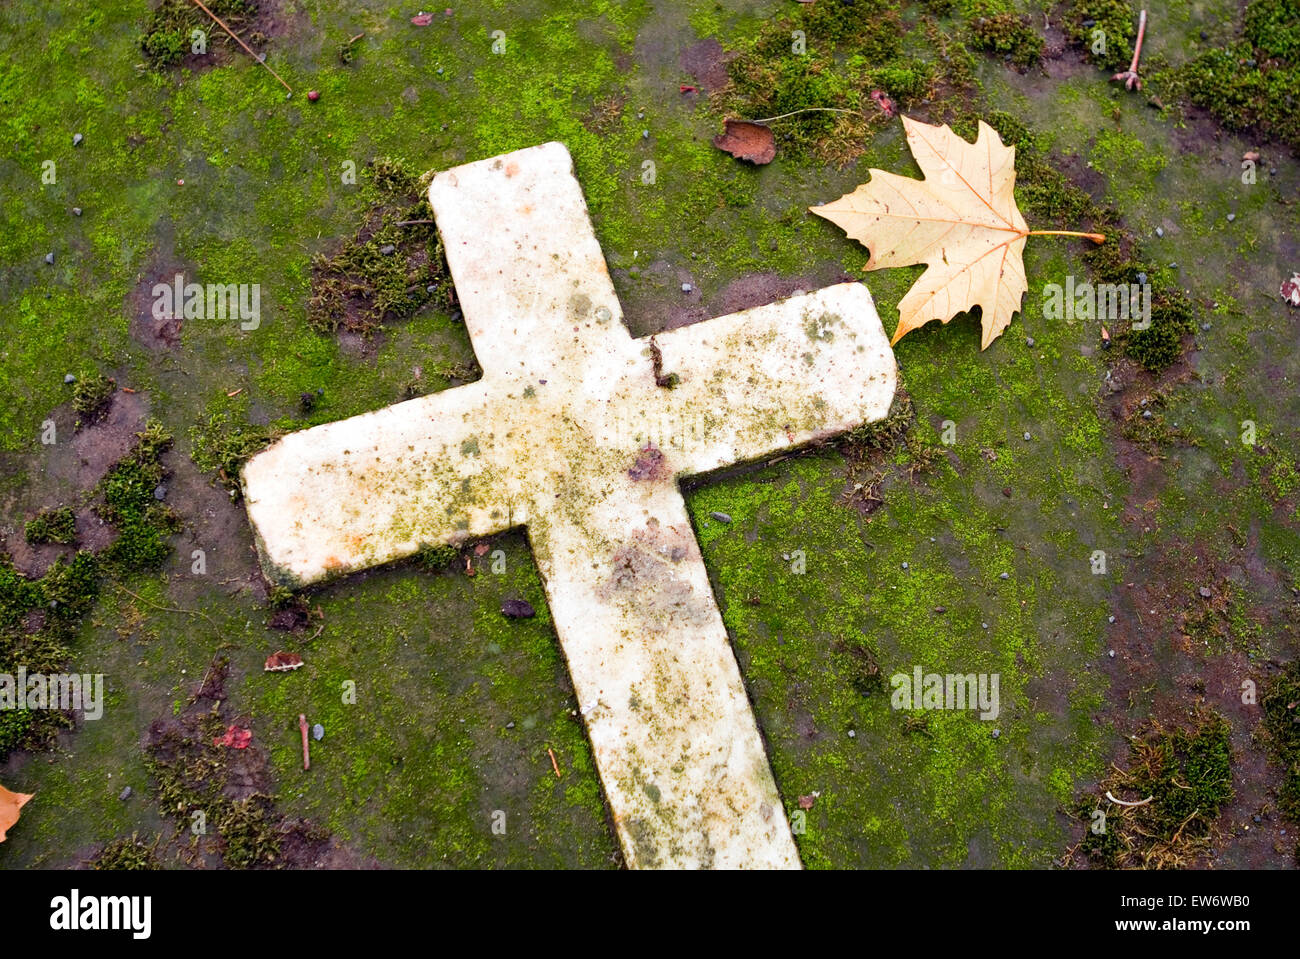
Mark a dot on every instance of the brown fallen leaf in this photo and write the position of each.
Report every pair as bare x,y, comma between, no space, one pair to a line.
283,662
961,220
747,141
235,738
10,803
807,802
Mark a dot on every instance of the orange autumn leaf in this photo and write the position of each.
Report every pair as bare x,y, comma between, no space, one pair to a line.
961,220
10,803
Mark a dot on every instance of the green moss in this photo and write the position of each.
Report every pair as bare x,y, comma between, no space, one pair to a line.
92,395
168,35
1188,775
130,503
128,854
1282,726
1273,26
1106,29
394,265
52,526
1009,35
436,557
222,444
69,587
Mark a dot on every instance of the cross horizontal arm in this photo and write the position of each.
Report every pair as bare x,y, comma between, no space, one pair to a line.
775,377
374,488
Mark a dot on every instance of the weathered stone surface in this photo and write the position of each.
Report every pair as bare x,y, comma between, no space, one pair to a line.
579,431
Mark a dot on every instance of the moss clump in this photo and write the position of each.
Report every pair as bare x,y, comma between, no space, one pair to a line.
168,35
1161,344
1009,35
1273,26
1106,29
128,854
1188,775
52,526
221,445
69,588
92,396
131,504
1279,702
1244,90
436,558
1149,427
391,268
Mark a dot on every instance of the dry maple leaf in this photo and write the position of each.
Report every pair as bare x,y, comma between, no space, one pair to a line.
961,221
283,662
10,803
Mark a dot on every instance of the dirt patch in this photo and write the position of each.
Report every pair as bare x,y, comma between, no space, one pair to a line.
706,62
168,40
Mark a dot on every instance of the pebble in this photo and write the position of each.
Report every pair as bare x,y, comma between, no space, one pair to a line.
431,288
49,258
1111,654
125,794
76,211
1231,217
1142,278
1146,414
645,134
1004,575
1160,231
314,95
1258,818
997,734
1204,35
1110,619
905,566
440,71
686,288
76,139
1027,436
984,625
160,492
318,732
387,249
1205,592
1029,341
1205,327
721,517
69,378
510,725
852,734
518,609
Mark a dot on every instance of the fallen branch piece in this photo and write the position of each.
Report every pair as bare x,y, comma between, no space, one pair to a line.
554,764
247,48
1130,76
306,750
1120,802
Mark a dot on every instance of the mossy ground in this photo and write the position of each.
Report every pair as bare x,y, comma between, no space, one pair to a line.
455,706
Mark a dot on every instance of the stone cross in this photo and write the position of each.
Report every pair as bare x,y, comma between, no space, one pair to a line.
580,432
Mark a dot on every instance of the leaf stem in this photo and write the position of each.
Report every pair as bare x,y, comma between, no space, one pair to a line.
1095,237
856,113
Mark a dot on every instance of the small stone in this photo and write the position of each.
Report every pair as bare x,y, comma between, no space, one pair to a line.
852,734
640,114
645,134
997,734
318,732
686,288
1110,619
76,211
431,288
1204,35
160,492
1257,818
1205,592
1088,24
440,71
1029,341
905,566
1027,436
314,95
721,517
1146,414
1142,278
1111,654
1160,231
49,258
510,725
984,625
125,794
1004,575
1205,327
76,139
387,249
1231,217
517,609
1251,63
69,378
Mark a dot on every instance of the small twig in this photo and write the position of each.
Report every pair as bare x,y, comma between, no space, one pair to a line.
356,38
1130,76
306,752
247,48
793,113
411,222
1120,802
165,609
554,764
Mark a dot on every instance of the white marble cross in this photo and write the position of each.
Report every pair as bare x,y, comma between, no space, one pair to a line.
580,432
